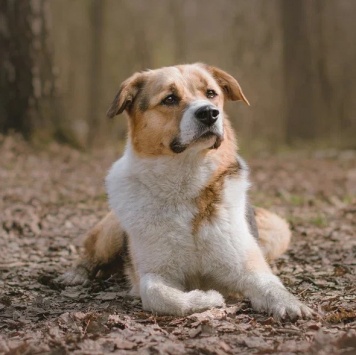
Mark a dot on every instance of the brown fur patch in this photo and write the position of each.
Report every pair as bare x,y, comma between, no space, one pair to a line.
90,242
107,250
210,198
153,130
103,246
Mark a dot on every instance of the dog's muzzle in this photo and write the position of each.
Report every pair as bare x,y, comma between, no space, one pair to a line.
200,123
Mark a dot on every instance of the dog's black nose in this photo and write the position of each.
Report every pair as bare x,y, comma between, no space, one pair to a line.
207,114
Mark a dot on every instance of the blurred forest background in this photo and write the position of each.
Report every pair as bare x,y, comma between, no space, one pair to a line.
62,61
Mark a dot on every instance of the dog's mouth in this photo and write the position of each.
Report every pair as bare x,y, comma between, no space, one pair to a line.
177,147
208,135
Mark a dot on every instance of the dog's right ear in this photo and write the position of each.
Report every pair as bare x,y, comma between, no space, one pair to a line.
126,95
228,84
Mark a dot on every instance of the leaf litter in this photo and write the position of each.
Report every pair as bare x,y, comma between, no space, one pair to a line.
50,198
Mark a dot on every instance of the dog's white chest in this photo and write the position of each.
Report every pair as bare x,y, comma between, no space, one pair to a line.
159,213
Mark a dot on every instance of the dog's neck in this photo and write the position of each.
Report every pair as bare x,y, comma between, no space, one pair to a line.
174,172
183,174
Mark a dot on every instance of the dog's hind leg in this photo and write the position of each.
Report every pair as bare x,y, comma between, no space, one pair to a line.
162,297
103,250
273,233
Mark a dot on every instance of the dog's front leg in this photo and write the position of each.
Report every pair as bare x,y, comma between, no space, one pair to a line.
163,297
266,292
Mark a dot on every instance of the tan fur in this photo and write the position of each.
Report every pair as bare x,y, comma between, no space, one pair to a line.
274,233
104,240
145,135
107,249
103,247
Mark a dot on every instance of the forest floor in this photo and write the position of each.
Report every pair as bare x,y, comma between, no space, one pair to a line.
49,198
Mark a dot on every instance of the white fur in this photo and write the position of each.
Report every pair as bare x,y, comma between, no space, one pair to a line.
154,199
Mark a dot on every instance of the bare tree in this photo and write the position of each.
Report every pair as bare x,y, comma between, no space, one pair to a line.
16,62
96,10
29,103
297,61
179,35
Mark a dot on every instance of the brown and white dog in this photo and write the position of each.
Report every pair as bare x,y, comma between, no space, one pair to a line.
179,201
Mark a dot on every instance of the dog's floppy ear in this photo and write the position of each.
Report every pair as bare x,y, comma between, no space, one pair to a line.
228,83
126,95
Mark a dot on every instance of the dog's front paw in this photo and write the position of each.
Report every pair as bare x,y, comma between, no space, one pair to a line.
76,276
281,304
199,301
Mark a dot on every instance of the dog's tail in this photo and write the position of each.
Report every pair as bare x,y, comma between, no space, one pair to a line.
274,233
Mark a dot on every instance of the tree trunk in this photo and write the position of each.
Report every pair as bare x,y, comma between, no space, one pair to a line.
94,117
297,59
179,31
16,62
28,95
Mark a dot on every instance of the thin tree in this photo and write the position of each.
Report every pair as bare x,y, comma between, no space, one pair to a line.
297,60
16,63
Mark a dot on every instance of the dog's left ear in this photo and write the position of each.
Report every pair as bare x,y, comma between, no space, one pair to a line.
228,83
126,95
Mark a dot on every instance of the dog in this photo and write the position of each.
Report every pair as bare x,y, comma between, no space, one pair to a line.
181,224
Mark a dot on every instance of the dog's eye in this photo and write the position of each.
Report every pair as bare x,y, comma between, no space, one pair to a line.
210,94
170,100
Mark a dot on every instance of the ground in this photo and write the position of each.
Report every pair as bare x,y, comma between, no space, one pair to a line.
50,197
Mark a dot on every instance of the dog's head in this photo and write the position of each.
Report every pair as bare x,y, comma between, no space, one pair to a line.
174,109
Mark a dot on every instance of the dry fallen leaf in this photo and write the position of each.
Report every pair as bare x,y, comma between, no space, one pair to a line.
49,199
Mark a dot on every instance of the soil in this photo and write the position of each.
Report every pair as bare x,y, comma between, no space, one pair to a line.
50,197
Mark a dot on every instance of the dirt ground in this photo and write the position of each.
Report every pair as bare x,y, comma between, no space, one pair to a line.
51,197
